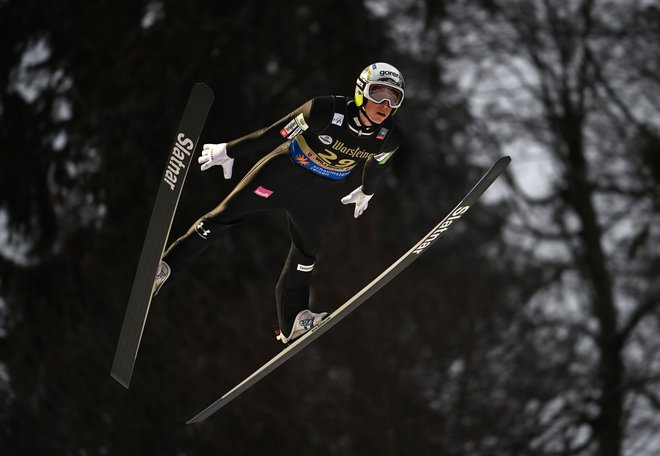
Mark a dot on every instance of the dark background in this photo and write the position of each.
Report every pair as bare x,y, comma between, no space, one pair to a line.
530,328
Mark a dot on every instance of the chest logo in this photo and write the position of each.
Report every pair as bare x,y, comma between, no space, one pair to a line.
382,134
325,139
263,192
295,127
338,119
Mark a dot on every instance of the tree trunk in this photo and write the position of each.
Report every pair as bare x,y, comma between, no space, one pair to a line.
608,424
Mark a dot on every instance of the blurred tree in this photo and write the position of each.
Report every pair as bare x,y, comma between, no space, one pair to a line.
570,90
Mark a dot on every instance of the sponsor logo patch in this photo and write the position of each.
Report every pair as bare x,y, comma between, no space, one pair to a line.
305,267
382,158
428,240
203,232
382,133
325,139
302,160
300,120
178,158
263,192
389,73
295,127
338,119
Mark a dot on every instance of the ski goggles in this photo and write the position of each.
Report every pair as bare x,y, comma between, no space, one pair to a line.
379,92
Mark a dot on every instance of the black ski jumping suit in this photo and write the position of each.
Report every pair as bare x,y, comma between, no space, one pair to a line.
308,155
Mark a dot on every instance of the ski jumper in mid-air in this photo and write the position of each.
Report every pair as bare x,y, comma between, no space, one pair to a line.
306,157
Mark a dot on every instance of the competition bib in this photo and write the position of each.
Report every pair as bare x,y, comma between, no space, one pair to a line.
327,163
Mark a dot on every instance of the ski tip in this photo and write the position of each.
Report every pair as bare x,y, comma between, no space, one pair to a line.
205,88
204,414
501,164
201,416
194,420
208,411
123,381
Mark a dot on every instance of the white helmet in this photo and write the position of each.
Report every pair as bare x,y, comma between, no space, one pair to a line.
380,82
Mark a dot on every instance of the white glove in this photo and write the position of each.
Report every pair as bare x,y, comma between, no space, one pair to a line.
358,197
216,154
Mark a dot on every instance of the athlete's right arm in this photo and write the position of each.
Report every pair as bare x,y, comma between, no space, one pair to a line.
315,114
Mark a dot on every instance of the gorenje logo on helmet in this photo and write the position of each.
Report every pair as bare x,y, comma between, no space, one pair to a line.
389,73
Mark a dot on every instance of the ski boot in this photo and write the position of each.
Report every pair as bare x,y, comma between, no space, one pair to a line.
304,321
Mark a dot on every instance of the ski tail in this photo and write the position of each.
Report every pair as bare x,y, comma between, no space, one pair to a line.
167,199
395,269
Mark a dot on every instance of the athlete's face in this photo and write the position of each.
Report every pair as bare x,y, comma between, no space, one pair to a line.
377,112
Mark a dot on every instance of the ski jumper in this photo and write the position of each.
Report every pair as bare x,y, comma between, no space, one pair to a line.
307,155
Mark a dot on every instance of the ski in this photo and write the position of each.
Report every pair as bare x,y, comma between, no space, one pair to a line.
167,199
402,263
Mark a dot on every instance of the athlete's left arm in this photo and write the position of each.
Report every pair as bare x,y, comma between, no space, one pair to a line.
376,165
315,114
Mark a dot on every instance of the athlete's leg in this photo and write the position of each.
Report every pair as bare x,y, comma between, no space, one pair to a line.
307,225
292,290
265,187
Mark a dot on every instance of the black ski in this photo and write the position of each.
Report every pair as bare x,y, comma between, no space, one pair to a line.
167,198
364,294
